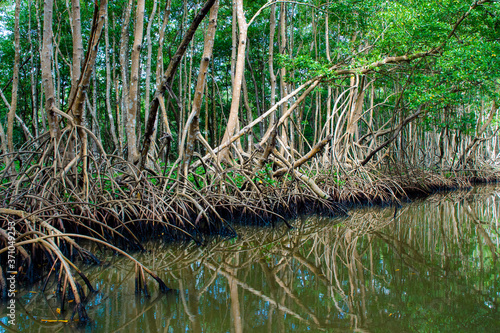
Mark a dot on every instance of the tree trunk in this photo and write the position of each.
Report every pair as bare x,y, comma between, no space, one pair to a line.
46,64
3,137
159,73
246,103
76,108
256,92
96,129
192,125
40,71
133,154
150,52
238,78
4,144
55,66
124,65
76,26
272,30
117,111
34,101
15,80
283,86
108,84
328,128
161,42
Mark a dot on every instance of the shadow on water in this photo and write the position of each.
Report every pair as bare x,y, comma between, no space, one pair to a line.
431,266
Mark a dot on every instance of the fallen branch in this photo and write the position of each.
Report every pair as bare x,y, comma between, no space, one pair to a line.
316,149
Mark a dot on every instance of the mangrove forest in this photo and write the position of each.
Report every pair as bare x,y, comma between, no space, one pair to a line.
172,144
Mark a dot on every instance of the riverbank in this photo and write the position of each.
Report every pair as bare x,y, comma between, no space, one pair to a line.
124,211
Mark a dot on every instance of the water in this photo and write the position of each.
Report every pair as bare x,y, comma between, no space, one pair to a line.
431,266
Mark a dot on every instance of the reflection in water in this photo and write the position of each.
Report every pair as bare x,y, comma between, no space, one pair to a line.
431,266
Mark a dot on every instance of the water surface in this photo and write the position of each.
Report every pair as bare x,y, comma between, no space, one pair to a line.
430,266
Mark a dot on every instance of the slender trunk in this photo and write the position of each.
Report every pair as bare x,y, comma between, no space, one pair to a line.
161,42
234,42
159,74
207,119
40,71
238,78
263,92
317,95
182,79
15,79
256,91
76,108
76,26
246,103
118,114
57,77
213,132
95,127
291,124
108,84
283,87
76,67
192,126
4,144
133,154
34,104
46,64
189,77
150,52
272,30
328,129
124,66
3,137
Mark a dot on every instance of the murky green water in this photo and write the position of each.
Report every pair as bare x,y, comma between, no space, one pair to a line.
431,267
